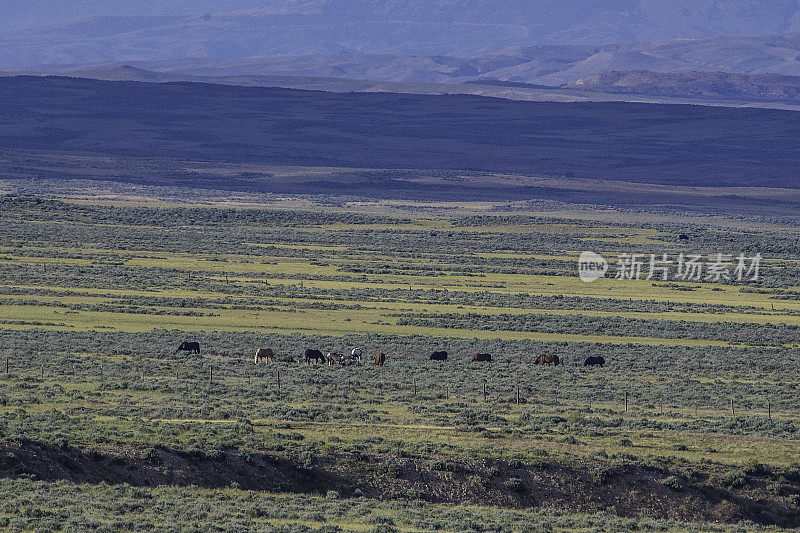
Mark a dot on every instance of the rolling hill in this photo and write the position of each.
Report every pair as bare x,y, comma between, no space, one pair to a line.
544,64
701,85
221,124
716,89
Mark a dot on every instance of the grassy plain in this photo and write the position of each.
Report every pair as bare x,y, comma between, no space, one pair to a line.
94,299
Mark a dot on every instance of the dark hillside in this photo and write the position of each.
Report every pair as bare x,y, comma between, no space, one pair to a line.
665,144
631,490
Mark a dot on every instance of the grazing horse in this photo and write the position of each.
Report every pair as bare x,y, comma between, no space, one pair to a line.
193,347
380,359
439,356
335,358
484,357
355,354
264,354
314,355
547,359
594,360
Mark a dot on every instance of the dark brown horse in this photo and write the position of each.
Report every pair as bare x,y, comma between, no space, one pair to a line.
547,359
193,347
485,357
380,359
313,355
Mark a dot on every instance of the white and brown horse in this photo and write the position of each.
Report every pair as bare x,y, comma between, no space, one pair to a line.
335,358
264,354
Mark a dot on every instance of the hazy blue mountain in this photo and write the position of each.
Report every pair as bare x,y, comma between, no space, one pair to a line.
742,55
544,65
90,31
543,16
654,20
699,88
24,14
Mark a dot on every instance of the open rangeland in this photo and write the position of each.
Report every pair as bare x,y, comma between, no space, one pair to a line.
695,416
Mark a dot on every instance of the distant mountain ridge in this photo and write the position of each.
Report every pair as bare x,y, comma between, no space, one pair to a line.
542,65
718,85
656,48
453,28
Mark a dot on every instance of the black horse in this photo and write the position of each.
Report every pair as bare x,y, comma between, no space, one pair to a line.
314,355
594,360
193,347
439,356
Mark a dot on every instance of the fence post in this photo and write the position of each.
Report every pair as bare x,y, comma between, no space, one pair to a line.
733,409
484,392
415,387
517,394
626,401
769,410
278,373
6,365
42,370
211,373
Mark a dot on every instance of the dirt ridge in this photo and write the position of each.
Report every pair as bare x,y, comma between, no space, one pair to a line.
630,490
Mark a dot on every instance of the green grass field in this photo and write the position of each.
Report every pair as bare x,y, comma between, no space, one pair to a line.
94,299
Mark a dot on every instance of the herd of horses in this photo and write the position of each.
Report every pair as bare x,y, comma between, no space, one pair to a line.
312,356
332,358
